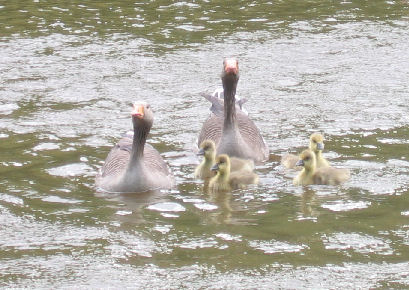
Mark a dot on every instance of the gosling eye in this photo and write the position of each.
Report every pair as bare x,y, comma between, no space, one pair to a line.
307,158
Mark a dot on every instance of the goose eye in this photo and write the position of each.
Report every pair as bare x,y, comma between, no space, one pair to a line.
148,106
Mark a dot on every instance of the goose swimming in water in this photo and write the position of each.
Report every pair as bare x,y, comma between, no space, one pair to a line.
233,132
132,165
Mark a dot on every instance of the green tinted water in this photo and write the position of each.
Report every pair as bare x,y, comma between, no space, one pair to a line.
68,74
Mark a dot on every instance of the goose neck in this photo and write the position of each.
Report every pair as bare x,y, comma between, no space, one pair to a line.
138,144
223,176
229,104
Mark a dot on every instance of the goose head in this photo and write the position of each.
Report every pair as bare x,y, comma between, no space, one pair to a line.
316,142
230,72
207,149
307,159
142,115
222,164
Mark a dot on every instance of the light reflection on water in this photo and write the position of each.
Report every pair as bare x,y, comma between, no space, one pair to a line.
64,101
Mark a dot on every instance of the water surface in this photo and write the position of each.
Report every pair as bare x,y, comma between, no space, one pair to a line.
69,72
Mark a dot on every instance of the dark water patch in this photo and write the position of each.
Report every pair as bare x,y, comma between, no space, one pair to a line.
182,22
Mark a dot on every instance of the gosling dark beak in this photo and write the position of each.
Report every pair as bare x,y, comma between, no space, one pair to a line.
215,167
320,146
300,163
201,152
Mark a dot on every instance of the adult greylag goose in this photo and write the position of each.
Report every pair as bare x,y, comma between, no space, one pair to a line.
234,133
316,145
208,151
310,174
226,180
132,165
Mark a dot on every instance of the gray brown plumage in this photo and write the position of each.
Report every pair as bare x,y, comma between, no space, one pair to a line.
233,132
132,165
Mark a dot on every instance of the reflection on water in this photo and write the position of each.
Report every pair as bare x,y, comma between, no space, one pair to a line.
69,72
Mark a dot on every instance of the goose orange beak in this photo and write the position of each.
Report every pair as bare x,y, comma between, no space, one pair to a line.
231,66
138,111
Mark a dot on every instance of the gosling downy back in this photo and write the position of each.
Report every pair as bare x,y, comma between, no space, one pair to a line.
331,175
132,165
234,133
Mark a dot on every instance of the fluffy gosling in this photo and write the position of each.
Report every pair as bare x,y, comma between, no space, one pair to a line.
316,145
310,174
208,151
225,180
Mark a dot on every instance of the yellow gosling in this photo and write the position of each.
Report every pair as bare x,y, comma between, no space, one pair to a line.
308,161
225,180
310,174
208,151
316,145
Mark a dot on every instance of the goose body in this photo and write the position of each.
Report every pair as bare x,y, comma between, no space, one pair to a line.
225,180
208,151
233,132
317,145
132,165
310,174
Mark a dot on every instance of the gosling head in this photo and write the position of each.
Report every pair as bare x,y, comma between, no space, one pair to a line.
307,159
207,149
222,164
142,114
316,142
